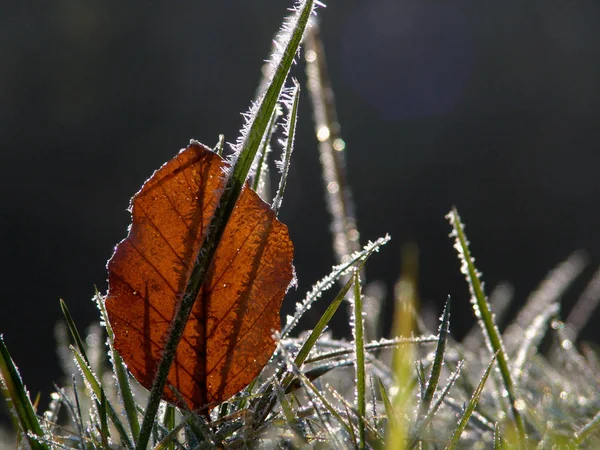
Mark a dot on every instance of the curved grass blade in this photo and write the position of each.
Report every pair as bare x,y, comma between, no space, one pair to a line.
462,423
17,397
266,403
329,280
484,316
74,332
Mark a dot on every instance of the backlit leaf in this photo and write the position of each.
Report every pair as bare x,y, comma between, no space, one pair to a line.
228,337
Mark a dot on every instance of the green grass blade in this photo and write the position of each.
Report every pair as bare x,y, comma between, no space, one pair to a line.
123,380
17,397
462,423
312,339
267,401
259,183
329,280
389,409
104,431
98,392
169,423
438,361
359,360
290,131
497,437
247,147
484,316
417,431
74,332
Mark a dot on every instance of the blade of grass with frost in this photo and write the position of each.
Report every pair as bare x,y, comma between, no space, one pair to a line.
97,392
74,332
18,399
464,419
549,291
288,43
101,398
387,404
421,426
220,147
327,282
484,316
290,131
497,438
266,403
500,299
378,345
531,340
325,318
260,169
359,360
438,361
83,430
104,431
122,378
331,149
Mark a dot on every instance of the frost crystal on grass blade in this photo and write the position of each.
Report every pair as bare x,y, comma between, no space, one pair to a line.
291,33
290,100
328,281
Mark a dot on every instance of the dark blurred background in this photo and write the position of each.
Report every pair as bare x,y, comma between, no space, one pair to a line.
491,106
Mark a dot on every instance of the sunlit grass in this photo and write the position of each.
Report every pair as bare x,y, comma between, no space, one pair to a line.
416,389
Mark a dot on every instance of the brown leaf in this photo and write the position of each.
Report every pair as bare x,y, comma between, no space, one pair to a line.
227,340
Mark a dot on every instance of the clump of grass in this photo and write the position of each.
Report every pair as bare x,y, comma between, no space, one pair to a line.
416,390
